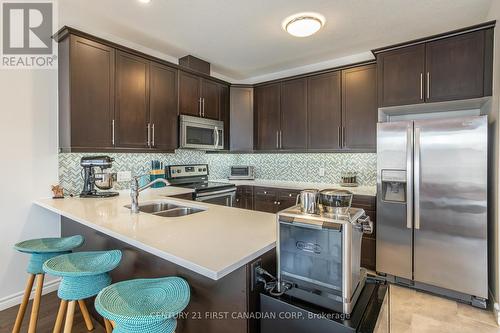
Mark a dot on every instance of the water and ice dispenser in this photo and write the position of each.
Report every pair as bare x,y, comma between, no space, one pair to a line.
394,185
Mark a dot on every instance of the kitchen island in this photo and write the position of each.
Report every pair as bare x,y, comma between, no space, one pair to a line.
213,249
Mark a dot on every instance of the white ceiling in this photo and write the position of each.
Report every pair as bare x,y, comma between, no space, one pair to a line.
244,41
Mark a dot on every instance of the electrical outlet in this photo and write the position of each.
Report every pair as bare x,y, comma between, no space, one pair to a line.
253,266
321,172
123,176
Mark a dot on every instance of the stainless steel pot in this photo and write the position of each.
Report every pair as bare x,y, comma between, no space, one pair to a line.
335,201
308,200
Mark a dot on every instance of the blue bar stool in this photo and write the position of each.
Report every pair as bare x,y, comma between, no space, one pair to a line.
84,274
40,249
144,305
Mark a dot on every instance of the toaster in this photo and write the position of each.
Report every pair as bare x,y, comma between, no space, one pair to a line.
242,172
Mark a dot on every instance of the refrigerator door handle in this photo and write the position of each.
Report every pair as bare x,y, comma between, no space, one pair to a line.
416,172
409,174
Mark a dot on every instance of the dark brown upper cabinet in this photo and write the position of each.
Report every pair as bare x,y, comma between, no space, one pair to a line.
442,69
189,94
359,108
267,116
324,111
163,107
293,132
401,76
200,97
455,67
86,95
132,126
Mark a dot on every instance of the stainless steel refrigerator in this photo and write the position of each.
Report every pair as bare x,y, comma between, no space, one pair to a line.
432,205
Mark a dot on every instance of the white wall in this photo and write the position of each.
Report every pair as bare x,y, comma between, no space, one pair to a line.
28,166
494,14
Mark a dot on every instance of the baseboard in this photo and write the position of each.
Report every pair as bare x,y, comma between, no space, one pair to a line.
15,299
496,307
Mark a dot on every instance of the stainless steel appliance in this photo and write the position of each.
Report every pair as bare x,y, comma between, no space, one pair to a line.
432,205
308,200
201,133
92,179
195,176
319,257
242,172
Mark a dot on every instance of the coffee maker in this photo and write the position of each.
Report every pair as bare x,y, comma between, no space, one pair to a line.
94,176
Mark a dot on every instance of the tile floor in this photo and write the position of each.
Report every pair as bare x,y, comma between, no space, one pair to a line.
412,311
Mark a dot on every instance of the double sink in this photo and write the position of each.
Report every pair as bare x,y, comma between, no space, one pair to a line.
166,209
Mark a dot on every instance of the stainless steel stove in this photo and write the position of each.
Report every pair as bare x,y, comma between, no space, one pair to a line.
195,176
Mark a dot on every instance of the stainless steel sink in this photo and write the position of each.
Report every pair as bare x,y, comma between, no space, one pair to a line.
181,211
166,209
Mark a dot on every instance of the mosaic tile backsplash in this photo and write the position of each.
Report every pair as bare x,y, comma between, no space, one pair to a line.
286,167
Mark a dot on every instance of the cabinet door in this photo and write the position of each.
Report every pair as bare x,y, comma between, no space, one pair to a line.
324,111
244,197
294,114
210,94
163,107
401,76
267,117
455,67
225,114
287,198
265,200
189,94
92,94
359,108
132,101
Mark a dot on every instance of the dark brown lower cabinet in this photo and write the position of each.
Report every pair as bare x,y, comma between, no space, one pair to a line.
244,197
368,248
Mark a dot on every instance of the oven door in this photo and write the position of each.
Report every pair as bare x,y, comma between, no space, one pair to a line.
200,133
222,197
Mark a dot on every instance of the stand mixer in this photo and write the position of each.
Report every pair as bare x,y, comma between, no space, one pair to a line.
97,178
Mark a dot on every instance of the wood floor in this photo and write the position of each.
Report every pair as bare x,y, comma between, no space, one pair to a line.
46,319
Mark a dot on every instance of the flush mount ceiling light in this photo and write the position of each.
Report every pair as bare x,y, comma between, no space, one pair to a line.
144,1
303,24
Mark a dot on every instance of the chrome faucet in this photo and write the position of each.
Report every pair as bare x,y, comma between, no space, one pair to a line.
135,190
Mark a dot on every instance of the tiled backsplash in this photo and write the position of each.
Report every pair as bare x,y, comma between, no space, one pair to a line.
287,167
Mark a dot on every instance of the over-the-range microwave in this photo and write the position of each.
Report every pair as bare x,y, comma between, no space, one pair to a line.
201,133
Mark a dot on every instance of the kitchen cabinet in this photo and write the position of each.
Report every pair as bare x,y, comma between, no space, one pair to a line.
267,116
272,200
201,97
359,108
225,115
368,242
324,111
293,129
131,125
244,197
442,69
86,94
241,119
163,107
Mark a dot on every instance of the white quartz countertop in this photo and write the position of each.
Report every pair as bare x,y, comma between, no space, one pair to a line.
213,243
358,190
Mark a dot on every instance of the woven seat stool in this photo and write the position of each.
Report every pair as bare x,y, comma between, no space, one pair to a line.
41,249
144,305
84,274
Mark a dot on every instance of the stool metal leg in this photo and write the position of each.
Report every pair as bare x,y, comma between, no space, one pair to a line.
107,324
68,325
86,315
36,303
60,316
24,304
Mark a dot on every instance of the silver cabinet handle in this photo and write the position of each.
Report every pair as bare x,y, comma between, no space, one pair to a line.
199,106
409,177
339,136
421,86
277,139
113,132
428,85
153,135
343,136
149,135
203,107
416,178
281,139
